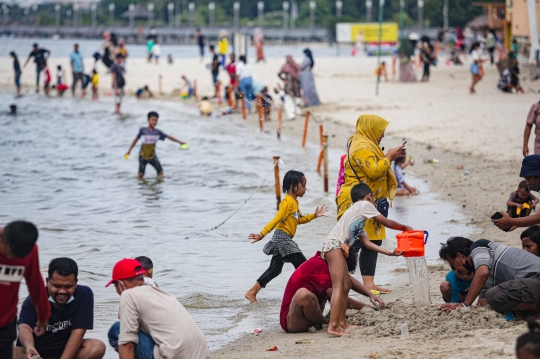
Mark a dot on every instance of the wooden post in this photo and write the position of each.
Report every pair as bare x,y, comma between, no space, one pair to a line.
244,112
278,185
325,150
230,97
218,93
160,85
195,90
321,154
305,130
260,111
279,121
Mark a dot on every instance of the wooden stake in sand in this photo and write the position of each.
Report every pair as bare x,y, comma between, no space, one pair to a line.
305,130
321,153
279,121
278,185
230,97
218,93
195,90
160,84
325,149
244,113
260,112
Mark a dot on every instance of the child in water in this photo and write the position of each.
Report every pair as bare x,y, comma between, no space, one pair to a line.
150,136
148,265
95,83
47,80
205,107
281,246
521,202
349,231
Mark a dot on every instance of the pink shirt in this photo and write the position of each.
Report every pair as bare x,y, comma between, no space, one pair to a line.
534,118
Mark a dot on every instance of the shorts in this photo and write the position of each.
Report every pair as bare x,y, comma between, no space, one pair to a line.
154,162
329,244
215,78
118,98
506,296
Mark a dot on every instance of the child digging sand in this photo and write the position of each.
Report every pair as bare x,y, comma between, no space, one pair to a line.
349,231
281,246
521,202
403,187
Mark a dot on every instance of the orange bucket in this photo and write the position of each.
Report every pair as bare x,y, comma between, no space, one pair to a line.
412,243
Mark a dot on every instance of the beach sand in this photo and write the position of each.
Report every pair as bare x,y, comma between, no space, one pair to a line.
480,134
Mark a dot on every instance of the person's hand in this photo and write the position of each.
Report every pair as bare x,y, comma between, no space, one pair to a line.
377,301
31,353
413,191
321,211
448,307
397,152
40,328
395,253
345,249
504,223
117,92
519,205
525,150
407,228
255,237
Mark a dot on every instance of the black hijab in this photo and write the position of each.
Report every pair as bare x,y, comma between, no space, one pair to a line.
308,53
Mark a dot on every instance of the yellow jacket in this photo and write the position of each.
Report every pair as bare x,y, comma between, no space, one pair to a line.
223,45
287,218
371,166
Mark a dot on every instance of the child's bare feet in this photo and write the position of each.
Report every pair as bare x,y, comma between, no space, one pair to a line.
337,331
346,326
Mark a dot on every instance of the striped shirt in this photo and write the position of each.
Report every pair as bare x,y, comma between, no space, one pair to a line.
504,263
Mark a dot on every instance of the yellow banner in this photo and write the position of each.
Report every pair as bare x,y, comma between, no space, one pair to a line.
371,32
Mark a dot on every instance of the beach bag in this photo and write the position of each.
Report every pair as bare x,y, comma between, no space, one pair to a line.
474,69
381,204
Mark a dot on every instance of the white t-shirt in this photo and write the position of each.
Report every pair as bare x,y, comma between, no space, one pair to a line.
475,55
351,224
156,50
243,70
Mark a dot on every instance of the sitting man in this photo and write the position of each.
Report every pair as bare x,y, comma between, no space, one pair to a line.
153,324
72,313
308,289
506,278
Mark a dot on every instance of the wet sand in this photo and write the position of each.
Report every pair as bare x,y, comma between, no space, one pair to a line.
481,134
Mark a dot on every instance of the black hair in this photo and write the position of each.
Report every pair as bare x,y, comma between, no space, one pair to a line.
76,44
120,56
35,44
59,67
360,191
474,46
63,266
523,185
533,233
94,71
398,160
146,262
291,180
383,63
205,98
530,342
455,245
211,47
12,53
20,237
13,108
153,114
352,260
243,59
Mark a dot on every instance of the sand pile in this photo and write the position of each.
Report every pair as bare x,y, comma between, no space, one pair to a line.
427,321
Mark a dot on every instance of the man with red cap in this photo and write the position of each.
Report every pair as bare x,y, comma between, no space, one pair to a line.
153,324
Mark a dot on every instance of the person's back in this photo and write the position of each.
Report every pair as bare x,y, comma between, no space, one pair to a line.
160,315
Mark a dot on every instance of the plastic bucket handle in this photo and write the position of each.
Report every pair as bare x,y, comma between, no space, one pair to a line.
427,235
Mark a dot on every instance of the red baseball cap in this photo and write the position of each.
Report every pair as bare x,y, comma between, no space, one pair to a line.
126,268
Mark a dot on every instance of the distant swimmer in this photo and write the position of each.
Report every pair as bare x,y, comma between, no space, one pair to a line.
12,109
150,135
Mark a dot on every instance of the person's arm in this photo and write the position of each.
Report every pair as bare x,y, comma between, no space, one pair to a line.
27,340
372,168
38,293
115,84
526,136
73,344
351,303
47,54
175,140
132,145
388,223
319,212
362,289
508,222
480,278
409,188
366,243
509,203
127,351
280,216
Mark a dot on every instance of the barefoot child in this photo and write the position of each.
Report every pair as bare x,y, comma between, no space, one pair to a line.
349,230
281,246
150,136
403,188
521,202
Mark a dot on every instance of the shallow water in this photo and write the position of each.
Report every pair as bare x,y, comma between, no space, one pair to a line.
63,168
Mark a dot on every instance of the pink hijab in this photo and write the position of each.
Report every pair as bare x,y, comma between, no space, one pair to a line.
291,67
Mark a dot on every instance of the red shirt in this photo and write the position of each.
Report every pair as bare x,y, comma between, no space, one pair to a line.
314,275
12,271
231,69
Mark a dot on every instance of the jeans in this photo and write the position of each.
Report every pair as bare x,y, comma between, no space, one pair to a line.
276,265
18,80
246,86
38,72
143,350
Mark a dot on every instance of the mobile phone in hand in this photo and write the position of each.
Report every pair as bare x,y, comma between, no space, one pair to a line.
498,215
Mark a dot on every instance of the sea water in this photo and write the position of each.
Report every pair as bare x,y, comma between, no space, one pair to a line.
419,280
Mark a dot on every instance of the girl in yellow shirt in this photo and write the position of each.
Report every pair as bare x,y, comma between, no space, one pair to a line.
281,246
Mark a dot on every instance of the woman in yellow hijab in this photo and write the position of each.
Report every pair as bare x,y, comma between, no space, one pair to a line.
371,166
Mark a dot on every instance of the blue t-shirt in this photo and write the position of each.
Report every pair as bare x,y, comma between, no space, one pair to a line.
398,172
76,61
78,314
458,286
